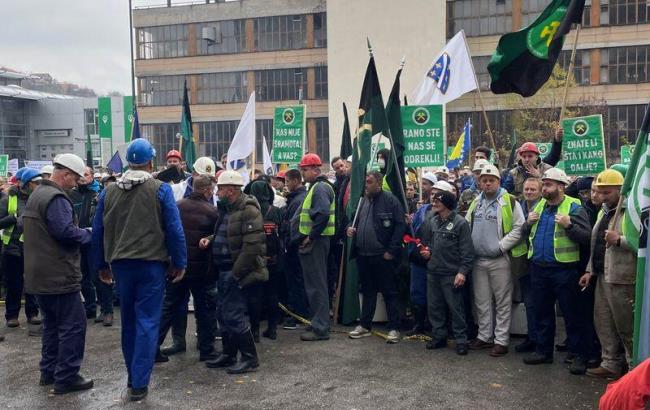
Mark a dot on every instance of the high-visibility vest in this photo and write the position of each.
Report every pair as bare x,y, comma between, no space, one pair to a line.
12,207
305,220
564,249
623,224
506,221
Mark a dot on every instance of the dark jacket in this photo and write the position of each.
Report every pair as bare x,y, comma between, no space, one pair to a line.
341,218
320,205
514,181
84,200
246,240
388,221
198,217
450,244
15,246
291,237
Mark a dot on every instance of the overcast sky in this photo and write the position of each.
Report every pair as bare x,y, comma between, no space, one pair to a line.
79,41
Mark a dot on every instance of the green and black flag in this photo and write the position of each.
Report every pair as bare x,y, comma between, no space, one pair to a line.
189,151
395,170
89,151
346,138
524,60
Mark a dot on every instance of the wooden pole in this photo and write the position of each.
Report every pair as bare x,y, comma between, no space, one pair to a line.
566,82
420,184
253,158
337,296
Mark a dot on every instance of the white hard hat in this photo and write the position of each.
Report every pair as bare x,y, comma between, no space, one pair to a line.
442,170
72,162
47,169
430,176
556,174
205,166
349,158
97,175
230,177
480,164
444,186
490,169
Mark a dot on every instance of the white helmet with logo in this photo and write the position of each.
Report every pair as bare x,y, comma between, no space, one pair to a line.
444,186
230,177
556,174
490,169
480,164
205,166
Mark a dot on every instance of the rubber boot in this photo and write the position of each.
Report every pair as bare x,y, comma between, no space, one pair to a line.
248,361
229,355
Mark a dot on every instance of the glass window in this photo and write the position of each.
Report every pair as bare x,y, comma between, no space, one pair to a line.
623,12
623,123
162,137
581,66
480,66
230,37
625,65
479,17
321,82
13,128
90,119
322,137
280,32
220,88
263,128
162,41
500,123
161,90
278,85
320,30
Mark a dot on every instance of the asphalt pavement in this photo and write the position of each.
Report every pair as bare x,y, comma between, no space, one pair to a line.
340,373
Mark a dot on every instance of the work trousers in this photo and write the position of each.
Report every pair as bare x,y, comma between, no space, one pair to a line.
378,275
527,297
142,287
231,305
418,285
442,295
314,268
296,297
64,335
13,267
492,286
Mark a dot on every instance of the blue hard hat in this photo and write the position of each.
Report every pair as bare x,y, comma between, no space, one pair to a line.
19,173
139,152
28,175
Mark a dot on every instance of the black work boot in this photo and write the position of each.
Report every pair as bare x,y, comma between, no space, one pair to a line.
229,355
248,361
419,317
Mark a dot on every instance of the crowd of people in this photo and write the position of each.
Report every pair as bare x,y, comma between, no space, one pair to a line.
479,242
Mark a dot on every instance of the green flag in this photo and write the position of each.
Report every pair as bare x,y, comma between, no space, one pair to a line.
189,153
395,175
89,151
524,60
346,138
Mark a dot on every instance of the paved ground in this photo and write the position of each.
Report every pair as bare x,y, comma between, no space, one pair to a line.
341,373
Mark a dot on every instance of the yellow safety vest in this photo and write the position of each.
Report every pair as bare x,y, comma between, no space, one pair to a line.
12,207
564,249
506,220
305,220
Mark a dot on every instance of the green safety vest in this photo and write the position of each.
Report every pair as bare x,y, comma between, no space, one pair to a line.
506,219
305,220
12,207
565,250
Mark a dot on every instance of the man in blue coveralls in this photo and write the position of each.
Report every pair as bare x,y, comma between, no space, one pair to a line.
138,236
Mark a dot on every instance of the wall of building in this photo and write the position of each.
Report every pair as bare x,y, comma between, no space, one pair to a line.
414,30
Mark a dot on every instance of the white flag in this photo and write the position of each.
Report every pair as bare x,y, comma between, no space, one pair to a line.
450,76
243,143
268,164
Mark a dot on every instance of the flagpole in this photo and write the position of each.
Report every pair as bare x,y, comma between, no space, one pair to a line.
566,82
480,97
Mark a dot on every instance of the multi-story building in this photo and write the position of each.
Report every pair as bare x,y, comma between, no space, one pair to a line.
612,62
284,50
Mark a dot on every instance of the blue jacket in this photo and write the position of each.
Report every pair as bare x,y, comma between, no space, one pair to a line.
174,235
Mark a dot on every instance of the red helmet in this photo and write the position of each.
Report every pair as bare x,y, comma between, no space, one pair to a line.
528,147
281,175
310,160
174,154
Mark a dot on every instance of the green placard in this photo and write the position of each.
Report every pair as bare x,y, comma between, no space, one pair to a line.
626,154
104,117
288,134
544,148
4,164
424,135
583,145
128,117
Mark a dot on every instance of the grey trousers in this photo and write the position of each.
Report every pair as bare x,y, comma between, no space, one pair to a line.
442,295
492,285
614,322
314,270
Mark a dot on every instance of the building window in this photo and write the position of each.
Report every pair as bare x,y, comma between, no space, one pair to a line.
479,17
161,90
500,123
90,120
623,123
322,138
623,12
163,138
229,37
278,85
280,32
162,41
480,66
263,128
320,30
220,88
581,67
625,65
13,128
215,137
321,82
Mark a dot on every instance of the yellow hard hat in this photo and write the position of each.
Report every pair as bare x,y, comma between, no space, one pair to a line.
609,177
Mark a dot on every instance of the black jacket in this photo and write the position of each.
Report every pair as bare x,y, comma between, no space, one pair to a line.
294,202
84,201
388,221
450,244
15,247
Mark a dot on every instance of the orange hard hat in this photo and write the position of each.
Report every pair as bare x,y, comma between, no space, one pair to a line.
529,147
310,160
174,154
